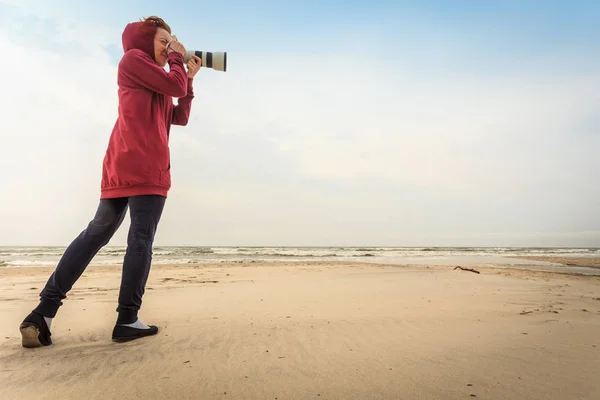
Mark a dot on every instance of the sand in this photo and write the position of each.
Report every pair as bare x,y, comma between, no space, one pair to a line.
312,331
589,262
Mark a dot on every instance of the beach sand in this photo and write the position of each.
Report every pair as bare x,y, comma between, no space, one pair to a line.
312,331
589,262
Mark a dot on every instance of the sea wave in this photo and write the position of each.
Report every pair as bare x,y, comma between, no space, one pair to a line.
29,254
37,256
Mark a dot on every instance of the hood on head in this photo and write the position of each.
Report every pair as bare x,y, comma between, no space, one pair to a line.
134,38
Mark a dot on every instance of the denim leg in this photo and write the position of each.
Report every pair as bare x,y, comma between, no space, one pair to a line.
145,212
77,256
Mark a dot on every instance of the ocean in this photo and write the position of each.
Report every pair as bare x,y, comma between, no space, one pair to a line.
484,256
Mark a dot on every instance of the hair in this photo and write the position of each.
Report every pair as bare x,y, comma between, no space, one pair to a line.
151,24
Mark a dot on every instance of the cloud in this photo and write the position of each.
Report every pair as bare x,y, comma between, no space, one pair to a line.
60,105
460,134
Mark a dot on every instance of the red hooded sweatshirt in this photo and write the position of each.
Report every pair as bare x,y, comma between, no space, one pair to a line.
137,160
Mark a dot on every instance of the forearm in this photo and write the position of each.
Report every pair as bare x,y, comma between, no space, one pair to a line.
141,69
181,112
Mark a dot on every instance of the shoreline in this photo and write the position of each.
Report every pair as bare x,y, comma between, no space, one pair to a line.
588,262
565,265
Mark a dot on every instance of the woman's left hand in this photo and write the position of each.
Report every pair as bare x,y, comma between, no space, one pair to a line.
194,66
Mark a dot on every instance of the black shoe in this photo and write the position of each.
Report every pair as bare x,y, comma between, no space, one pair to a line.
34,331
123,333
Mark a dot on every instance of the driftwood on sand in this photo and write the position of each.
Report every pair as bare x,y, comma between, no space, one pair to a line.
467,269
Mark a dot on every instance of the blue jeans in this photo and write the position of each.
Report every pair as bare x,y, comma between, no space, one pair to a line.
145,212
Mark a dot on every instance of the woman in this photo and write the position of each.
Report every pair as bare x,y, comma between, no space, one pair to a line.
135,175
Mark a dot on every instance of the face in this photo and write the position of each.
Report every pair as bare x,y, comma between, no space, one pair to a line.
161,41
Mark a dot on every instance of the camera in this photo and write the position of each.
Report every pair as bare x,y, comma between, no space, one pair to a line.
210,59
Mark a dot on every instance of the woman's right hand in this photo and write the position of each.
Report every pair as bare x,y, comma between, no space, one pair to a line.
176,46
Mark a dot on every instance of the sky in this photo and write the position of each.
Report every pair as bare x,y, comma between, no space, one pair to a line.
373,123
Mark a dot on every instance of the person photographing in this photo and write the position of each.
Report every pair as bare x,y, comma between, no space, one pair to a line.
136,176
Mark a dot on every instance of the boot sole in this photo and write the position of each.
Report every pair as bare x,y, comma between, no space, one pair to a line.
125,339
129,338
30,336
